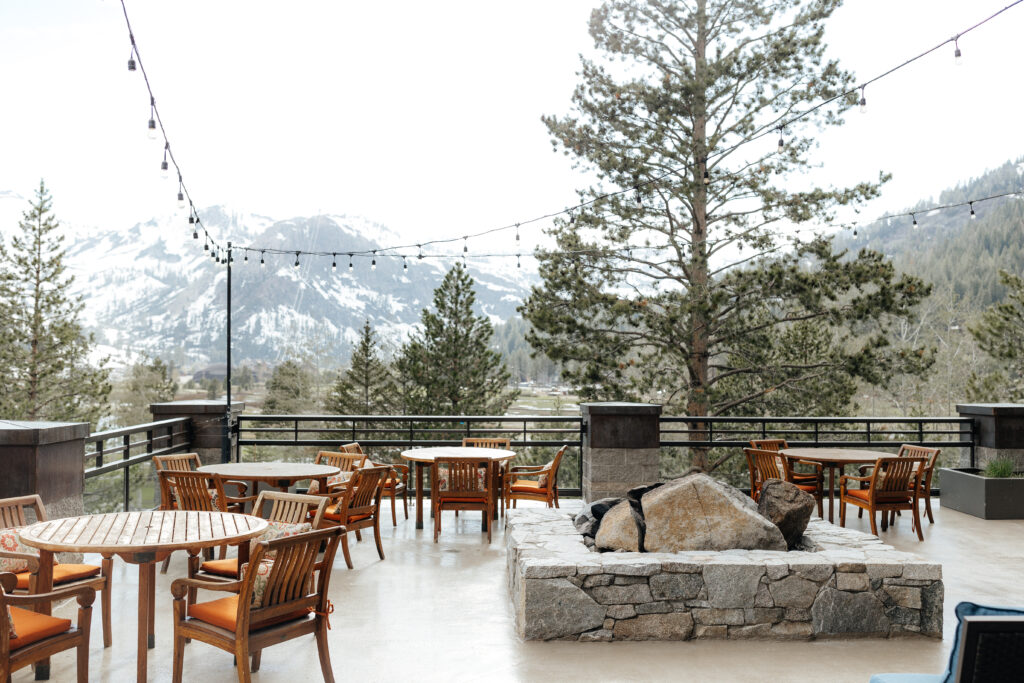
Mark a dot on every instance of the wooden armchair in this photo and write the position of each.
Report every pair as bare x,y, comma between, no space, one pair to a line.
894,484
275,601
283,510
397,482
189,462
466,484
359,507
23,561
336,484
910,451
521,485
816,477
38,636
766,464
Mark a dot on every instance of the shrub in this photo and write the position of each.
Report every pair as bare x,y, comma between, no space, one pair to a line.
1000,468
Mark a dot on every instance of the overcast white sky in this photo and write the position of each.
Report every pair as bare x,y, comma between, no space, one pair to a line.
425,116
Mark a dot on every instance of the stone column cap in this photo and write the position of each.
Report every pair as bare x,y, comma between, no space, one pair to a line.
993,409
32,433
198,406
621,408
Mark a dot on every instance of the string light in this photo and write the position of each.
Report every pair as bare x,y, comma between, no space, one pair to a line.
638,197
420,255
373,263
958,57
246,257
131,56
915,219
465,244
572,218
350,262
163,164
206,244
782,142
517,233
181,193
863,101
151,130
974,216
405,264
518,263
262,262
296,259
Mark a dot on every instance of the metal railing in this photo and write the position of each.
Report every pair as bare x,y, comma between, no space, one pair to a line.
133,446
407,431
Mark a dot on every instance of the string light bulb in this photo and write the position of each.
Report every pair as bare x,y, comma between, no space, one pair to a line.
151,130
262,261
164,168
181,193
638,197
782,141
373,262
958,57
974,216
707,178
915,219
206,244
518,264
517,233
420,254
863,101
296,259
572,218
465,244
131,60
405,264
334,263
246,258
350,262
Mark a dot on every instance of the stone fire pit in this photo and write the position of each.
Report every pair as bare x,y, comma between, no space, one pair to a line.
836,583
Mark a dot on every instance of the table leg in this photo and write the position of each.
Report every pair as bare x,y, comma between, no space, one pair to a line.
831,491
44,584
151,640
419,495
147,578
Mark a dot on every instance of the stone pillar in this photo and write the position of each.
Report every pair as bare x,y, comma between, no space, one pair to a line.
208,424
47,458
998,432
621,448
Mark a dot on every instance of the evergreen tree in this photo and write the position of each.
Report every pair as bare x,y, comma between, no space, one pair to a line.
367,386
674,284
1000,334
289,390
450,361
44,352
145,384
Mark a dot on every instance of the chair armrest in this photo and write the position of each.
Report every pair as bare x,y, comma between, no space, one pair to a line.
30,558
242,486
179,587
850,477
864,469
84,594
526,469
816,465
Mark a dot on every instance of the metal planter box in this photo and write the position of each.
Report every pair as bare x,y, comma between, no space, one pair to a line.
965,490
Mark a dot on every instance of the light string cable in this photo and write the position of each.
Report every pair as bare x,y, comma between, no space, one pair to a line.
183,192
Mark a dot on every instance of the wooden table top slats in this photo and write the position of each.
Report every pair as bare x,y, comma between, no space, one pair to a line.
270,471
134,532
428,455
837,456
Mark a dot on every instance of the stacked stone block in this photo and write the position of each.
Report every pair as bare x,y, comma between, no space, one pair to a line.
839,583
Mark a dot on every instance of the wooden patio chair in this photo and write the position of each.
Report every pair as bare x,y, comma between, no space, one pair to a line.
520,483
276,600
288,513
344,461
766,464
359,507
38,636
500,469
910,451
462,484
23,560
894,484
397,482
190,462
816,477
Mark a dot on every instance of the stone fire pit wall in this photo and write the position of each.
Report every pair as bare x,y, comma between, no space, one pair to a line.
840,583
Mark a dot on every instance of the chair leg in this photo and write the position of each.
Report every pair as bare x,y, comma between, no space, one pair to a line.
254,666
107,567
242,661
405,502
83,661
344,550
487,516
917,522
324,650
394,515
556,497
376,535
166,563
193,569
928,509
179,657
874,529
359,536
437,523
842,512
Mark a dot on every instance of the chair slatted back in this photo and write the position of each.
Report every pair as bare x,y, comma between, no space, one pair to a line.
289,508
291,584
467,477
769,444
178,462
764,465
479,442
346,462
12,511
892,476
353,447
191,490
909,451
365,489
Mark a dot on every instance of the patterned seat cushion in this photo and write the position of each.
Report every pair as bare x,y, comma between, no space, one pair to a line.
10,542
277,530
442,478
332,481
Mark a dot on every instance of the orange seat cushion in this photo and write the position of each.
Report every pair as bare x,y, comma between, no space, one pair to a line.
223,613
32,626
332,513
526,486
461,499
227,567
862,494
810,488
62,573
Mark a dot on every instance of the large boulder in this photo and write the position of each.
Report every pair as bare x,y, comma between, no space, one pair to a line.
589,518
787,507
697,512
619,529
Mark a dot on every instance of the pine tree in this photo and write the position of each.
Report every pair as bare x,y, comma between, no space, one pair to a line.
145,384
675,283
44,352
289,390
450,361
367,386
1000,334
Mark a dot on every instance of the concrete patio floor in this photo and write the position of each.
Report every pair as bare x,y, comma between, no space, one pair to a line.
440,612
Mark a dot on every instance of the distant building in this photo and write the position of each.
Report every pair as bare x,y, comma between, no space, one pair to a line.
218,371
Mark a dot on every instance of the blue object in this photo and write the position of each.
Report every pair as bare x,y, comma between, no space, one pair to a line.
964,609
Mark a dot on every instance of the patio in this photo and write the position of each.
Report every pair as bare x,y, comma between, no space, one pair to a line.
441,612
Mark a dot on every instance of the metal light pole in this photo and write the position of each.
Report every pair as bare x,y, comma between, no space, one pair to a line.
225,449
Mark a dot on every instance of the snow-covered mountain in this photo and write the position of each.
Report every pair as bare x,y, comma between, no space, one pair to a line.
153,290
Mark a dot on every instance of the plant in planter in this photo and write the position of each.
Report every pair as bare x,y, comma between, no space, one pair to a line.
997,492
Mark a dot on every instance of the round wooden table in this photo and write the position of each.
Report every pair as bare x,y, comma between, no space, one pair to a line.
141,538
279,474
423,458
833,459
